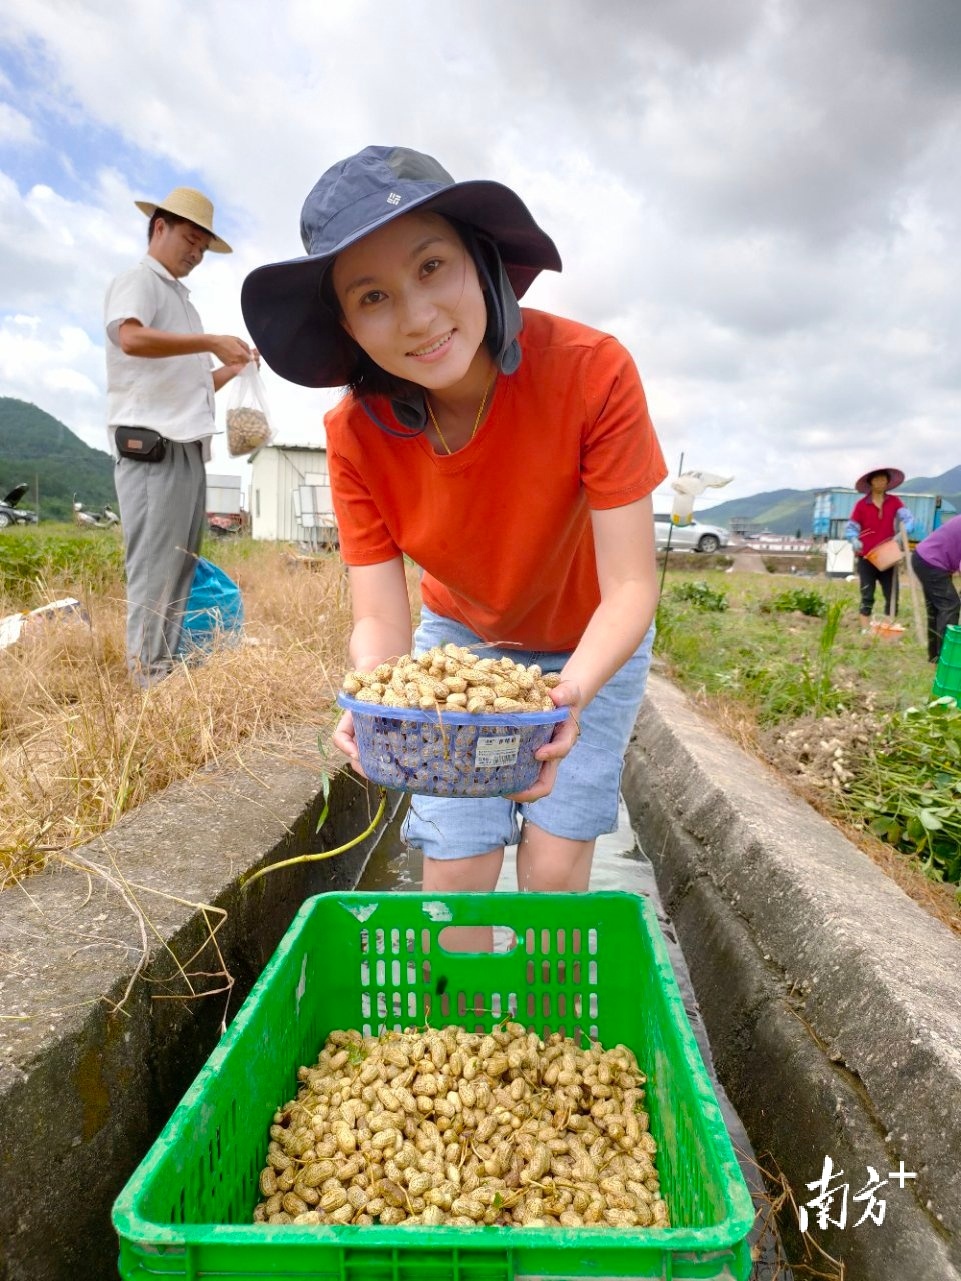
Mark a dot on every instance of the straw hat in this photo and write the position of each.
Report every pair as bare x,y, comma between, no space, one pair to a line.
192,205
894,474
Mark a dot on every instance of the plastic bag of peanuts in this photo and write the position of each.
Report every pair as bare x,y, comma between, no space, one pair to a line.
248,419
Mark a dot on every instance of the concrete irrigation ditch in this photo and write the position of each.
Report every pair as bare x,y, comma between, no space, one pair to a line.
827,993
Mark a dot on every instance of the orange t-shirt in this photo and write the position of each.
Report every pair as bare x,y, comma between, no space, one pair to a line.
502,527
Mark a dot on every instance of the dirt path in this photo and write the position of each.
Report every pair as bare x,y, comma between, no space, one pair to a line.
747,561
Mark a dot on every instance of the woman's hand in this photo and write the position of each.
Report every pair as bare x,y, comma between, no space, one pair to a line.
346,740
565,735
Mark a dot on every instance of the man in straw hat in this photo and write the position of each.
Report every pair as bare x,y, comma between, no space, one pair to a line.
160,418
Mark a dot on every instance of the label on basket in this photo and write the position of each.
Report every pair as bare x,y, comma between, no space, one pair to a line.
497,749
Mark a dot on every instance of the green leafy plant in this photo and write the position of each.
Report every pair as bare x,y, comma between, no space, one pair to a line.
791,688
800,600
909,790
701,596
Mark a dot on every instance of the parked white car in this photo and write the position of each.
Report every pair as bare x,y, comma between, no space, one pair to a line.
689,538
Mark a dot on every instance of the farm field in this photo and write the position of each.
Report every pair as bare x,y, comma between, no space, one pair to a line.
780,663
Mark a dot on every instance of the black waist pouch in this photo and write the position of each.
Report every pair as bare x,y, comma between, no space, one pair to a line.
140,442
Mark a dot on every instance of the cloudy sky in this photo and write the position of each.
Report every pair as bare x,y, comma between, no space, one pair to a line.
760,198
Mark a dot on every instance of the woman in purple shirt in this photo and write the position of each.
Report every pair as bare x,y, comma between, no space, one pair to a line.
935,560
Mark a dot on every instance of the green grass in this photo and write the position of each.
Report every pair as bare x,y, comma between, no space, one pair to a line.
38,561
772,667
750,651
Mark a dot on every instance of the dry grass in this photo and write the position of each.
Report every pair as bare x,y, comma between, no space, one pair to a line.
80,745
776,1204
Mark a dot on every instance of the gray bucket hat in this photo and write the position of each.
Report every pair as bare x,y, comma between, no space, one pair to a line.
293,327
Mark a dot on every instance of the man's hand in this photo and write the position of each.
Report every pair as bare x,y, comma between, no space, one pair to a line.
230,351
229,370
239,369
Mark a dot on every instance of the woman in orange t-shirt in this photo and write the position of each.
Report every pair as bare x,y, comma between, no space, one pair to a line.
509,454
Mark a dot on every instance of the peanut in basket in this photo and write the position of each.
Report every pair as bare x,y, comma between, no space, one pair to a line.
454,678
432,1126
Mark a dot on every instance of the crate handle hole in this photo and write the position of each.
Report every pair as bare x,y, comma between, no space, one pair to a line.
475,940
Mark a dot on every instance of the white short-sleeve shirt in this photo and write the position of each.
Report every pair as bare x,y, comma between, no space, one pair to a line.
172,394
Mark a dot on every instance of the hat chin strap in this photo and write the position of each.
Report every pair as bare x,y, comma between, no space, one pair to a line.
504,314
412,414
504,323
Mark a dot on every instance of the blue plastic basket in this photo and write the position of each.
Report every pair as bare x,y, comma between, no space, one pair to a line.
439,753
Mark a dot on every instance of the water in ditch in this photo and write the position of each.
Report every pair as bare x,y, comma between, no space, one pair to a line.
620,864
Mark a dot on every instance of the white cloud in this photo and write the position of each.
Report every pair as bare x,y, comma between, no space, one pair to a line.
14,126
57,367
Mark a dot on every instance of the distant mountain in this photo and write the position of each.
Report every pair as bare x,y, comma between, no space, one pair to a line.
788,511
38,450
779,511
947,484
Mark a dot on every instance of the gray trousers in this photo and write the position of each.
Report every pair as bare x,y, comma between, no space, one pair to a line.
163,510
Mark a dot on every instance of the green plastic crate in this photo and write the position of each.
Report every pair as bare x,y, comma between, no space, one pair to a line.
590,965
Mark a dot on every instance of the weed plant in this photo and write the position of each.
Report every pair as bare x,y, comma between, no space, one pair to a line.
774,680
702,596
741,655
801,600
790,689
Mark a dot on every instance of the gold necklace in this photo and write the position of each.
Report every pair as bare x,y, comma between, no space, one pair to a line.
480,414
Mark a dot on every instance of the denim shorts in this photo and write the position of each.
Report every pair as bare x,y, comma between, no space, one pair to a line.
583,802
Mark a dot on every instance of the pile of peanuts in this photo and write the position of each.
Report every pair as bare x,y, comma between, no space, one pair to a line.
247,429
454,679
444,1126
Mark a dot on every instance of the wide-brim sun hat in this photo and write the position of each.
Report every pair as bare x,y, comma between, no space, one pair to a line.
295,330
895,478
192,205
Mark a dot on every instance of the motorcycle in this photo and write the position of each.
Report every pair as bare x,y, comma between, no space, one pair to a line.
107,518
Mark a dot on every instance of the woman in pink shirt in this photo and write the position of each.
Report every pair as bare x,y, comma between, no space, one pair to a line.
873,521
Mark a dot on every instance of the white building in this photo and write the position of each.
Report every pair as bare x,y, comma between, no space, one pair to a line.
289,495
223,495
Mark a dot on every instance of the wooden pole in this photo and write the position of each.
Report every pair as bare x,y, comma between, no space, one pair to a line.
916,606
